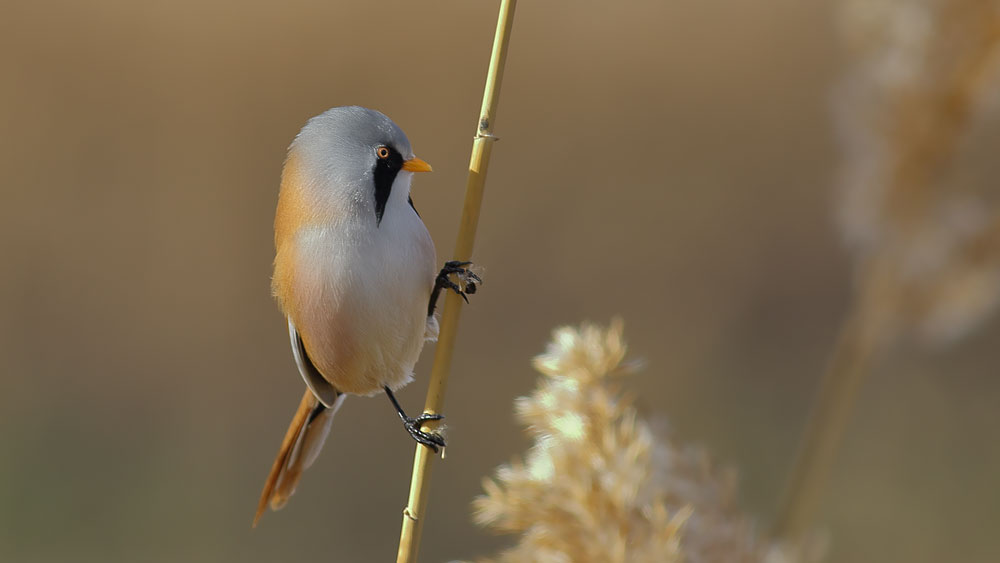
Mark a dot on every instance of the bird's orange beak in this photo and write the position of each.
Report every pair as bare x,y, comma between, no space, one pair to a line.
416,165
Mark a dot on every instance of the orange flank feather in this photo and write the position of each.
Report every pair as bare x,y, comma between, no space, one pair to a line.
292,213
296,210
330,341
284,476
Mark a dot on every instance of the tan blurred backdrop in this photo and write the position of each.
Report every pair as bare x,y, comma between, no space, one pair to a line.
671,162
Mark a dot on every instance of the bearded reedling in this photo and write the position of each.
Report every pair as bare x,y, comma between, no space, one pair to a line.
355,276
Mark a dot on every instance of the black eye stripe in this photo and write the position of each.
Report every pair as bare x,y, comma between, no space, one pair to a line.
384,174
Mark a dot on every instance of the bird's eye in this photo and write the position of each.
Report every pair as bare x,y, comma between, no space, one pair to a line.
382,152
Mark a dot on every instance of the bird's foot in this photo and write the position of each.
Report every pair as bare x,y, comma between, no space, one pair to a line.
432,440
469,281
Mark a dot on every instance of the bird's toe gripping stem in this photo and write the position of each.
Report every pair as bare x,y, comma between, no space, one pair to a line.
432,440
469,280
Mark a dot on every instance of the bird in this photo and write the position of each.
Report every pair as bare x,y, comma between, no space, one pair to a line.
355,275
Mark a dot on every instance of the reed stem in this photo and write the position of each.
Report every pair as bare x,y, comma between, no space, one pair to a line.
860,338
416,507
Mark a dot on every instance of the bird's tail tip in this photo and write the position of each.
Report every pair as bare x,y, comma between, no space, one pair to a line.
302,443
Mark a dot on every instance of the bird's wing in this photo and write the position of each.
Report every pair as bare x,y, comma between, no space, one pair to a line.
320,387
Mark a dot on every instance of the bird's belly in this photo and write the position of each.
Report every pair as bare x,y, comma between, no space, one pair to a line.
362,315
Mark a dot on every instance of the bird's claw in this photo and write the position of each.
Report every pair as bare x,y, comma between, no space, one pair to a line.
469,279
432,440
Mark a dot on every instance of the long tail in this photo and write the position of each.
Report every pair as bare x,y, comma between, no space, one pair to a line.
299,449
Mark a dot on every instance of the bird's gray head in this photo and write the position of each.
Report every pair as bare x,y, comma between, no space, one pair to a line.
354,156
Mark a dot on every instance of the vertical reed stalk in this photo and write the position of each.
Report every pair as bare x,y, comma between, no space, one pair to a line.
416,507
860,336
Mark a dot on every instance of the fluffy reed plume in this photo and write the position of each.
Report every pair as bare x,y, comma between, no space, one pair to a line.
922,221
599,484
912,207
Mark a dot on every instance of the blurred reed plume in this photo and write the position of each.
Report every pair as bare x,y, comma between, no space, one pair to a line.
923,225
908,112
600,484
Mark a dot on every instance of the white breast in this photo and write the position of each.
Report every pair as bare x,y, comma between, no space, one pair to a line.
363,294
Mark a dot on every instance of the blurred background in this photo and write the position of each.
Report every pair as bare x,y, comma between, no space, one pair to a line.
674,163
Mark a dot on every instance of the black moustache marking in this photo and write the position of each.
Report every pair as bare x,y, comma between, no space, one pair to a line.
384,175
